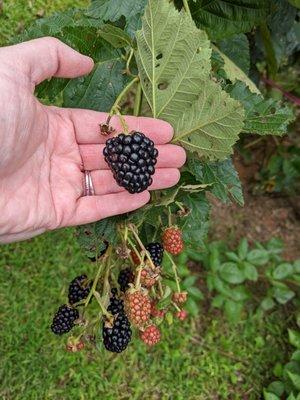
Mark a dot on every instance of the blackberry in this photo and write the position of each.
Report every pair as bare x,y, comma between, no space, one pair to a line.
156,252
63,320
132,159
79,289
125,277
117,335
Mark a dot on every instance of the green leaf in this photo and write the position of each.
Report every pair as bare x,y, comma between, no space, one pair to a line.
243,248
210,127
171,52
233,310
113,10
282,271
235,74
195,225
267,303
222,175
263,117
270,396
239,293
237,49
294,338
232,256
297,266
218,301
296,356
258,257
224,18
283,294
295,378
231,273
250,271
292,397
99,90
195,293
115,36
189,281
173,58
276,387
295,3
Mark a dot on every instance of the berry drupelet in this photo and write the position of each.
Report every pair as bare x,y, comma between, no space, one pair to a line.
156,252
63,320
132,159
79,289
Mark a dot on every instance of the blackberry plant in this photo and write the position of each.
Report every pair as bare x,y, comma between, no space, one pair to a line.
182,62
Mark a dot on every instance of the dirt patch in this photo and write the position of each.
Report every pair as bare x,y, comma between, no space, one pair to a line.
262,217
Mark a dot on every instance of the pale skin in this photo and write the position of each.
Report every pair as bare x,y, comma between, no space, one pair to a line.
44,150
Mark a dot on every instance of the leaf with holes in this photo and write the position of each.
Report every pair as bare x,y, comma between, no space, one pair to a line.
173,57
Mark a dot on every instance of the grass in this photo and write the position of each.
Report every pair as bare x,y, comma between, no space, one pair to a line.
204,358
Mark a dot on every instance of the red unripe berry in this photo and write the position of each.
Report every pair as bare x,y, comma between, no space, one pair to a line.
181,315
172,240
137,307
180,297
151,335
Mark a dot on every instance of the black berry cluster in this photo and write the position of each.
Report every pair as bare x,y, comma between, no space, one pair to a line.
116,334
156,252
79,289
132,159
63,320
125,277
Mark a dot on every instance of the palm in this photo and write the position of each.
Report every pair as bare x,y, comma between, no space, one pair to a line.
48,148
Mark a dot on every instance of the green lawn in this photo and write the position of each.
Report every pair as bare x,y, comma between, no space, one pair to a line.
204,358
201,359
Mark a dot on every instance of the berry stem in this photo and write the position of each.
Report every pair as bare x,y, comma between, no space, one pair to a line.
161,291
174,267
135,249
131,227
180,206
103,309
138,100
138,277
128,72
176,306
96,279
115,106
169,216
187,8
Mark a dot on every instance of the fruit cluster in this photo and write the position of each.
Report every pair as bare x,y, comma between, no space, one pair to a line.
135,298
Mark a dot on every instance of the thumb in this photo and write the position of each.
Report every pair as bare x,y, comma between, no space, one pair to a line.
48,57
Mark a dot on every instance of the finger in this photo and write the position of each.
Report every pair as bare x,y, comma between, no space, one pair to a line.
104,182
169,156
94,208
87,128
44,58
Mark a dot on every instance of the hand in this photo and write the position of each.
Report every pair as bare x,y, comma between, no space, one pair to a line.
44,150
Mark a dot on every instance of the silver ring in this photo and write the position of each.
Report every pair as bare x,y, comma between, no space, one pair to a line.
88,184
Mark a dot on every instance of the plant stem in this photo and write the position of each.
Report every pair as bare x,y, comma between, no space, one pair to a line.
174,267
138,100
96,279
122,94
187,8
169,216
128,62
180,206
160,288
141,246
103,309
134,249
176,306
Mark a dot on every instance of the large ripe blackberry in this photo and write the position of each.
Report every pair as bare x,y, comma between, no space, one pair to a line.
79,289
156,252
63,320
116,334
125,277
132,159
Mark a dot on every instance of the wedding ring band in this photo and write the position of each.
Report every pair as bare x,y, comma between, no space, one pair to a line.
88,184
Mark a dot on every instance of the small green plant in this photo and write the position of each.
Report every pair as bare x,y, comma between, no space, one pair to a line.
287,386
282,172
256,275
